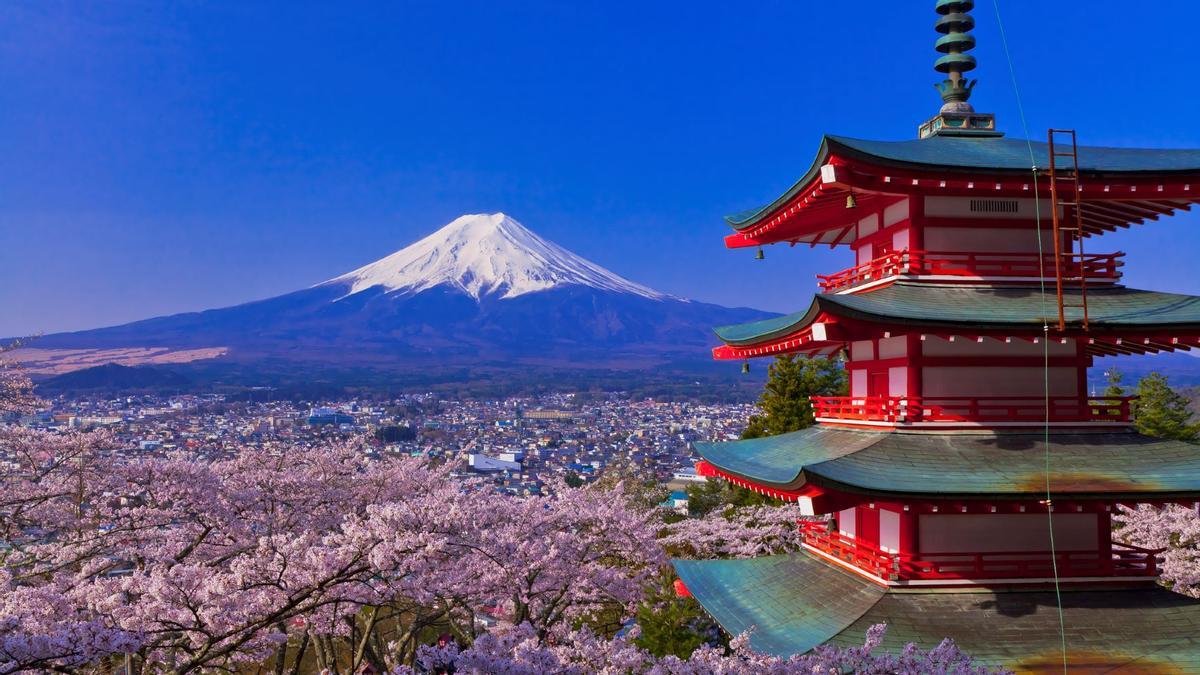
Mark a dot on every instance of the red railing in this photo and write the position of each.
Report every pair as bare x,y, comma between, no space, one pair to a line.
1095,267
1124,561
981,409
861,555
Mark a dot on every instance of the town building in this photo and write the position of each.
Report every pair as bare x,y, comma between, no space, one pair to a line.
969,478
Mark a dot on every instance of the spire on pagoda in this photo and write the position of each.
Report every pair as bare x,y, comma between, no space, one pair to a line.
957,117
955,24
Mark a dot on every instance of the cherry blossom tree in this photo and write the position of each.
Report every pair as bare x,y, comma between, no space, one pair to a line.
16,389
296,559
520,652
1175,530
288,553
736,532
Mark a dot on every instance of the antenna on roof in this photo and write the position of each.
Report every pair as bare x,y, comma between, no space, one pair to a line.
957,117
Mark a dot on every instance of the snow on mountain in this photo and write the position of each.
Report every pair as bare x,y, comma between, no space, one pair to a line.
486,255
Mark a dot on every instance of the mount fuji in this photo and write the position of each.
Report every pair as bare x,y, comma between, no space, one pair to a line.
486,255
483,290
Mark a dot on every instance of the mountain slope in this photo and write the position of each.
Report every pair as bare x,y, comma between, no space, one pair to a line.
481,290
116,378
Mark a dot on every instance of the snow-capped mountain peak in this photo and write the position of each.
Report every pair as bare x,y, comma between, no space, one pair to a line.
486,255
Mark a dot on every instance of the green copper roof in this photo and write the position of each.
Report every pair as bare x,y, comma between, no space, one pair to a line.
780,459
796,602
1012,154
1147,631
1110,465
793,602
979,154
982,307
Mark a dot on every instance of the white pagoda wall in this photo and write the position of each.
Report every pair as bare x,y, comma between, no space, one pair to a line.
986,240
977,239
870,350
893,215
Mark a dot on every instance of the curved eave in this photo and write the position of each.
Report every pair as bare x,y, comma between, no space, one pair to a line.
816,481
1091,466
1012,156
1162,321
747,219
789,603
1111,309
993,158
809,482
759,332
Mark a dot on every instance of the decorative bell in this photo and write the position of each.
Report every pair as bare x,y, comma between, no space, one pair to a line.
759,255
851,202
745,367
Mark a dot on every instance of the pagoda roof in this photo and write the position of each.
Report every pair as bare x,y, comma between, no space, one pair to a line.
1114,308
796,602
1109,465
987,155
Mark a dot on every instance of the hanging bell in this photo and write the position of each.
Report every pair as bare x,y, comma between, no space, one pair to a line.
759,255
851,202
745,367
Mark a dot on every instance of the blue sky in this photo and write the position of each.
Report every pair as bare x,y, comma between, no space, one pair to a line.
164,157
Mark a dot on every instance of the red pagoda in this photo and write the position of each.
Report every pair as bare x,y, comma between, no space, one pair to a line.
969,477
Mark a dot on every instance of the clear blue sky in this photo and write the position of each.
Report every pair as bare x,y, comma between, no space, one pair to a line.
159,157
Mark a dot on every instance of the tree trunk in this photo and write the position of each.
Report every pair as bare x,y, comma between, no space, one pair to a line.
300,654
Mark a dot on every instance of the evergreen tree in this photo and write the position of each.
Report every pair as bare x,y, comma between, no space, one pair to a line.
1114,389
785,401
1162,412
1114,378
714,494
706,497
673,625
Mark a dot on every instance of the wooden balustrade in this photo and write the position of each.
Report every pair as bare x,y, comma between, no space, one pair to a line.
1123,561
1097,267
975,409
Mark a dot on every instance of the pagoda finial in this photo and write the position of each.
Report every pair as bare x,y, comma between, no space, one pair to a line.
955,24
957,117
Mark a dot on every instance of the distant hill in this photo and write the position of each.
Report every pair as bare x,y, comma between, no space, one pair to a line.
116,379
1181,368
481,292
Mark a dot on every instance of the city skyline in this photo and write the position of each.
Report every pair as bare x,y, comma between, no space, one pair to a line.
164,160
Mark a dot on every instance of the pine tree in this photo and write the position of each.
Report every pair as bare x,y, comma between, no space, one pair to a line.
1162,412
1114,378
791,381
673,625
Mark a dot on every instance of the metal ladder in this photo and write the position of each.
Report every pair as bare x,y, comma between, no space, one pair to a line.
1068,225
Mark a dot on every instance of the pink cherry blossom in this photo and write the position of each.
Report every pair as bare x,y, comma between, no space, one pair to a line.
283,557
745,532
1173,528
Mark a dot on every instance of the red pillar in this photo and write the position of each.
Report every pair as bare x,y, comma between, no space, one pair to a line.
868,525
1104,539
913,352
909,541
916,223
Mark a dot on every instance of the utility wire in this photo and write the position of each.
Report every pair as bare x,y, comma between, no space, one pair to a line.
1037,205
